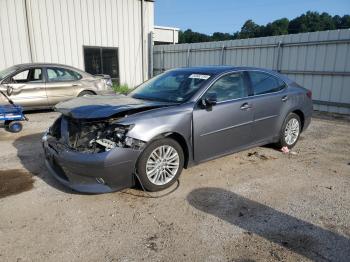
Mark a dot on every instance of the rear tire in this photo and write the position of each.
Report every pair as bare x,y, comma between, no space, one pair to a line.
160,164
86,93
290,131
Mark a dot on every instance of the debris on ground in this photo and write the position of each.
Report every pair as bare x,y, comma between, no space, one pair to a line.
285,150
151,243
260,156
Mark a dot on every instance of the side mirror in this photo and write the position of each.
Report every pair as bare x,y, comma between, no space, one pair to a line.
9,90
210,100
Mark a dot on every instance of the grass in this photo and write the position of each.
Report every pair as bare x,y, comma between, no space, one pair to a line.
121,89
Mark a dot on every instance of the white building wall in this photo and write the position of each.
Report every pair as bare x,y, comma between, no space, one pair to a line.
58,30
166,34
14,43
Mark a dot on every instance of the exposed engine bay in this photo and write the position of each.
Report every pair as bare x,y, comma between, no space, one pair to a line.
93,136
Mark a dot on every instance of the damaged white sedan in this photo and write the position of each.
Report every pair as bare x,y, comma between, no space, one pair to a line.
177,119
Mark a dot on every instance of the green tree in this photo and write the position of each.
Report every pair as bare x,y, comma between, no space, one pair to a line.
217,36
189,36
311,22
337,20
308,22
277,27
249,30
345,22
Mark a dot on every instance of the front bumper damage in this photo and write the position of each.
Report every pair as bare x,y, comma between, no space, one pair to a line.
88,148
90,173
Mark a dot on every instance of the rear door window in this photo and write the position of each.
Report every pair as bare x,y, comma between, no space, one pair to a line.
264,83
55,74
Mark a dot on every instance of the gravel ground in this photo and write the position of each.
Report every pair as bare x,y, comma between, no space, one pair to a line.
257,205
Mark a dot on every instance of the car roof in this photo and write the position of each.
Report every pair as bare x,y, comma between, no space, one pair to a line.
41,64
26,65
221,69
218,69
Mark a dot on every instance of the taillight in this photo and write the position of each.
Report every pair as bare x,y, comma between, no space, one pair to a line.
309,94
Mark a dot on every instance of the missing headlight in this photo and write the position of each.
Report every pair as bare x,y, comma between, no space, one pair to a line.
96,137
128,142
134,143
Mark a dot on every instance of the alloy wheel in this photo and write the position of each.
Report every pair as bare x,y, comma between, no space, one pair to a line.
162,165
291,131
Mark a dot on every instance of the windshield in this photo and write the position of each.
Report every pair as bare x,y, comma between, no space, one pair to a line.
172,86
7,71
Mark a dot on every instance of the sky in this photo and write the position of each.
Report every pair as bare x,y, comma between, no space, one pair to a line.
228,16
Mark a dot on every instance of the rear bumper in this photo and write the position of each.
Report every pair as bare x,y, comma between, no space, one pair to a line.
307,116
307,122
90,173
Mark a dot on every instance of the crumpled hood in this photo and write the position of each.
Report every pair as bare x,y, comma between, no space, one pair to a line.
91,107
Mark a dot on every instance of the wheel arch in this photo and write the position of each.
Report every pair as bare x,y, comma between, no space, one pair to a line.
87,90
301,115
182,142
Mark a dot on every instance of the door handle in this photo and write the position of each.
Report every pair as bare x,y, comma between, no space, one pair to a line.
245,106
75,85
284,98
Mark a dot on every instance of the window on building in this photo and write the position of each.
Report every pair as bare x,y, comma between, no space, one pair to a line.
102,60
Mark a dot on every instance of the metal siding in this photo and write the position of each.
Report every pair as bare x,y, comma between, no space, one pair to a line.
14,43
292,59
59,29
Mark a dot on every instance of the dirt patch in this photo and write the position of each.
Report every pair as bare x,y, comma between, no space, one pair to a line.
260,156
292,208
14,181
151,243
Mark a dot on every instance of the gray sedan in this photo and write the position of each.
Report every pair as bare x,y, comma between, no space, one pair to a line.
35,86
175,120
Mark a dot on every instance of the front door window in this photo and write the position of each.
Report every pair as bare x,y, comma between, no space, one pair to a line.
31,75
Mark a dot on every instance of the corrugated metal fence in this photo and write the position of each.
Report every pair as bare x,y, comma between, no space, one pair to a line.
319,61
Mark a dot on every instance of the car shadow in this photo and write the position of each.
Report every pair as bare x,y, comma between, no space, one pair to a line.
304,238
37,111
31,155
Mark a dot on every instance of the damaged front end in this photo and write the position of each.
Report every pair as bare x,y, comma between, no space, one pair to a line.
88,148
91,155
95,136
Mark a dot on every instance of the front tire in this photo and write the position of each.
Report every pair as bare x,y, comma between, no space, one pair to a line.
290,131
160,164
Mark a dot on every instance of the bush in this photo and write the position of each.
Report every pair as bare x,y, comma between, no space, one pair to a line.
122,89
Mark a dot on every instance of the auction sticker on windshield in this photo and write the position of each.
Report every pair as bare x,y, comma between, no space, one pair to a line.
198,76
